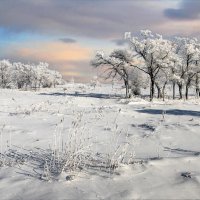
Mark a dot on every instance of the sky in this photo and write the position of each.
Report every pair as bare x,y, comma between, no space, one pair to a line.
67,33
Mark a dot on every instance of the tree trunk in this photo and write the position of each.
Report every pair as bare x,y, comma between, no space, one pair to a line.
187,87
186,91
152,91
174,89
163,91
159,91
127,93
180,87
35,86
197,86
127,89
197,92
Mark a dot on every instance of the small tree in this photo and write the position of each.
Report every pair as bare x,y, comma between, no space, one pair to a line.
137,81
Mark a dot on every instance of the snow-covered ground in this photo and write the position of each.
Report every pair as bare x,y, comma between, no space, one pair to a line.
164,137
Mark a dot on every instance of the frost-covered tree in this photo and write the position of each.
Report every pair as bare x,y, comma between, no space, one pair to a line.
44,77
57,78
24,76
5,70
161,81
153,52
173,73
163,61
189,53
115,65
137,81
168,75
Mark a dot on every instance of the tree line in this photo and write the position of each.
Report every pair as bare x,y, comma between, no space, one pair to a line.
153,61
27,76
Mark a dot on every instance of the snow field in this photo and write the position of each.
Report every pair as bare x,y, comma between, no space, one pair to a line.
159,140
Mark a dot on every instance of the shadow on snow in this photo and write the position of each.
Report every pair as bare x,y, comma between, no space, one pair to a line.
182,151
170,112
92,95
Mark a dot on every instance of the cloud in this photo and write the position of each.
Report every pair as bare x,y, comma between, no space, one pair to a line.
53,51
67,40
119,42
97,19
189,9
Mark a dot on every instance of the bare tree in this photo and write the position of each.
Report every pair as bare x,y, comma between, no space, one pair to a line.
116,65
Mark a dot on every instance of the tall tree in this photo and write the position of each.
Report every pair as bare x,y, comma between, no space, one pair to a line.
154,53
189,53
